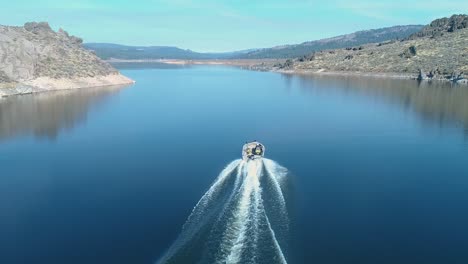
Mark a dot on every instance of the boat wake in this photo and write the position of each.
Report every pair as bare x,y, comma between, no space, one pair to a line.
242,218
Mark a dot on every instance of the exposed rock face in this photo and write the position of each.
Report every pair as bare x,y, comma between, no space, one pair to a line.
35,50
436,52
422,75
4,78
441,26
37,28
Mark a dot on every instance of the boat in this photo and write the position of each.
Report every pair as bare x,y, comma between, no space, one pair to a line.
253,150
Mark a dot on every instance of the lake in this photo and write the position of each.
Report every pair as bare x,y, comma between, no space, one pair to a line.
378,168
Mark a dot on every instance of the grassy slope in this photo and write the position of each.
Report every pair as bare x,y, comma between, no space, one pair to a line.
446,53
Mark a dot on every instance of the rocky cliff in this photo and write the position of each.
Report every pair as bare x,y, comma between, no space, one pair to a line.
441,26
438,51
35,58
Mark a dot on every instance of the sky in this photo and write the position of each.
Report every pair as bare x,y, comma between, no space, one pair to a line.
216,26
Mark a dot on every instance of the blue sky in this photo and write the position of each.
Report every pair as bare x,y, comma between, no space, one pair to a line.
222,25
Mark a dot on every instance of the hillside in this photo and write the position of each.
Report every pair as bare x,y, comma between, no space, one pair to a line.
344,41
35,58
439,50
108,51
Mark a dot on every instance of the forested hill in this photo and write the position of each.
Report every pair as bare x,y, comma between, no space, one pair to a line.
108,50
343,41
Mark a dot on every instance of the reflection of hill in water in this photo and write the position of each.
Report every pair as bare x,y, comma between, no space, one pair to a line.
148,65
435,101
45,115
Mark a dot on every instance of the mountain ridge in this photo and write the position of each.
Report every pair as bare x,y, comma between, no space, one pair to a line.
109,51
116,51
341,41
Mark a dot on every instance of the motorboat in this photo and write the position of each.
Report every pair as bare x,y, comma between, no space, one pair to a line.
253,150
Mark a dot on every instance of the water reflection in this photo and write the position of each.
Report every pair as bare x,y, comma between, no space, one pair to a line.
45,115
435,101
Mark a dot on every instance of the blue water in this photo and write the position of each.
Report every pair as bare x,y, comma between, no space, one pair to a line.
379,168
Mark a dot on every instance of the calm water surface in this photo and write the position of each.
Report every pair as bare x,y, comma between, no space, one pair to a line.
110,175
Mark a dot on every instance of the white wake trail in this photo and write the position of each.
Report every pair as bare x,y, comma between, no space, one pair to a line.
225,173
231,222
250,189
195,220
278,249
277,174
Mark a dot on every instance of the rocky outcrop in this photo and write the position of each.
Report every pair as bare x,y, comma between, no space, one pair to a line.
33,52
422,75
4,78
441,26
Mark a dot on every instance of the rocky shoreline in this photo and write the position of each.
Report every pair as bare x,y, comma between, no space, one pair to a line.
34,58
270,65
387,75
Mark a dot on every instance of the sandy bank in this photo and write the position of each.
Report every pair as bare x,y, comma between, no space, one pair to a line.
268,65
234,62
43,84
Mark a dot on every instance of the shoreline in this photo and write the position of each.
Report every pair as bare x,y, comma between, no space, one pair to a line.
267,65
389,75
46,84
384,75
233,62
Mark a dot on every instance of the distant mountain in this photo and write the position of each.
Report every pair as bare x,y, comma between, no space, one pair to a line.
108,50
343,41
